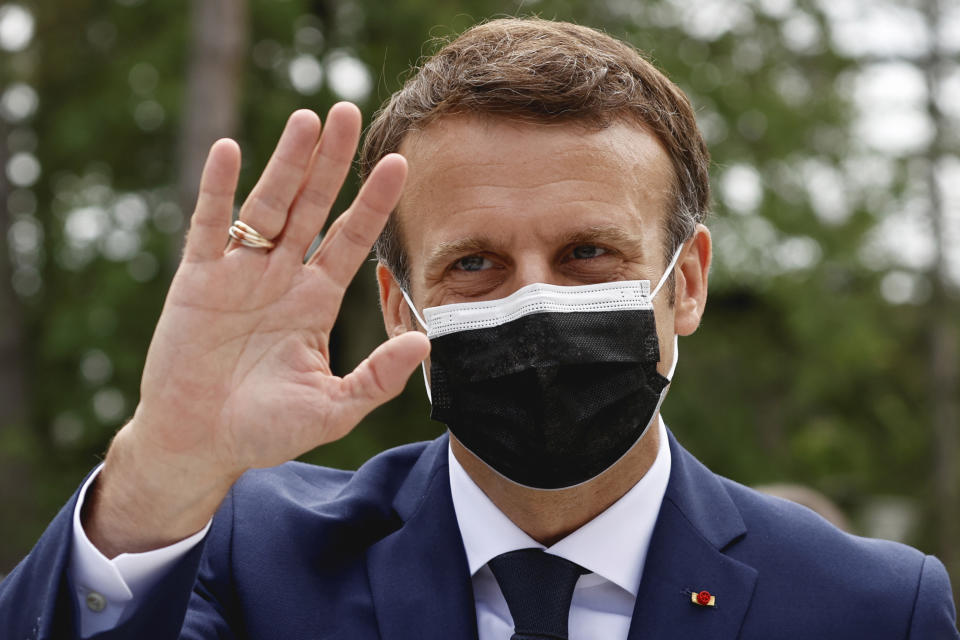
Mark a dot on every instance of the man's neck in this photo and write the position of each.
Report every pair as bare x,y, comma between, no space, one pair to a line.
549,516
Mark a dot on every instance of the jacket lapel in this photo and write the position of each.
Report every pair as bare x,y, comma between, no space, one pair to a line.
418,574
697,523
421,584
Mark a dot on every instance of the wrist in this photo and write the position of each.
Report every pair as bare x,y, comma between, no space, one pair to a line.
144,499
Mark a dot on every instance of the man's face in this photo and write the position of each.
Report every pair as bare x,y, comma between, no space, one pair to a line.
493,205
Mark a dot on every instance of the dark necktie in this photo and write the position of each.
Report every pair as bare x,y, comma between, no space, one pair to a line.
538,588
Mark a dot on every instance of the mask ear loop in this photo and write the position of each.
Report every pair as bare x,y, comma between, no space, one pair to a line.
676,356
423,366
414,310
666,274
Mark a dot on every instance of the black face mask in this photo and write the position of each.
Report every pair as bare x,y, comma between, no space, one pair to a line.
552,385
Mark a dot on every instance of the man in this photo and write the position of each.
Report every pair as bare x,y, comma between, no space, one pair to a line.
549,239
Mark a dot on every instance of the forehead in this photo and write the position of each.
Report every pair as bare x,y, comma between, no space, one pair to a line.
470,172
465,142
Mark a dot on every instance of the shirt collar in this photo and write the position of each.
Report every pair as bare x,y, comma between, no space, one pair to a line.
613,545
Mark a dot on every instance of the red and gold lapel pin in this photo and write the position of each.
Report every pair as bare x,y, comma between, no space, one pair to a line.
703,599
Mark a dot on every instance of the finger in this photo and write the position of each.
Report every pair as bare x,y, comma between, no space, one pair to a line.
331,163
266,208
378,379
211,218
350,237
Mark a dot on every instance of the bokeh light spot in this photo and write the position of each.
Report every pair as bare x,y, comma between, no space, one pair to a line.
349,78
149,115
18,102
23,169
16,27
109,405
96,367
306,74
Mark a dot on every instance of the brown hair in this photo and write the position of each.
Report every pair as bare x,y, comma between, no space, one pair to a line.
535,70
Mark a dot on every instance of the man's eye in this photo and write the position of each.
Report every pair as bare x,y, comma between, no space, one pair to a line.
472,263
587,251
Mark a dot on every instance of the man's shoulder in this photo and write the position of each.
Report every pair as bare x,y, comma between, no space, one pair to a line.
778,534
798,531
796,575
793,548
303,502
825,579
298,483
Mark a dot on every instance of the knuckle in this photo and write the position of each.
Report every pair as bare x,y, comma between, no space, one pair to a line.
265,212
373,202
355,237
268,202
317,198
377,385
336,154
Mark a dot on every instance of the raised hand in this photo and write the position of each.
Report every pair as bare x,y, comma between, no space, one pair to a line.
237,374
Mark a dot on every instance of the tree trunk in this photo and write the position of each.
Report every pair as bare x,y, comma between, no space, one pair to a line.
16,476
13,401
944,344
219,32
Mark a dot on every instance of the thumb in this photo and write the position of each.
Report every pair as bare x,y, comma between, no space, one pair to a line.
380,377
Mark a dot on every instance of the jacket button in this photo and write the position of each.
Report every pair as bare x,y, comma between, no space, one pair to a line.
96,602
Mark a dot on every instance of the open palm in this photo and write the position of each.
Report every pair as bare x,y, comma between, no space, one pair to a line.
238,374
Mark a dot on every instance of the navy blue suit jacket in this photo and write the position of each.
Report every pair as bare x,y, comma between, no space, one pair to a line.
306,552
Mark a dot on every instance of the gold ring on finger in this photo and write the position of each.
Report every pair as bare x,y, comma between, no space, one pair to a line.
249,237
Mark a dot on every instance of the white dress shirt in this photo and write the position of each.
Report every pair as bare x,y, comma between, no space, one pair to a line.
106,588
613,546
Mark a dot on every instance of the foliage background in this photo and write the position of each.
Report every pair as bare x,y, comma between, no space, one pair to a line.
826,356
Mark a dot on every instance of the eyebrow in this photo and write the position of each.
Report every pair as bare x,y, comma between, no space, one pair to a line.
446,251
606,234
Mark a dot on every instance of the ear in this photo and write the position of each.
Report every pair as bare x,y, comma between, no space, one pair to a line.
693,271
396,313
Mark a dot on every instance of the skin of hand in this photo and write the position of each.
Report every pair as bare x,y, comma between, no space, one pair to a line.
237,375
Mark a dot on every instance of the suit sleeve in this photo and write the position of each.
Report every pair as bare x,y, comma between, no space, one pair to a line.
121,581
934,617
37,599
